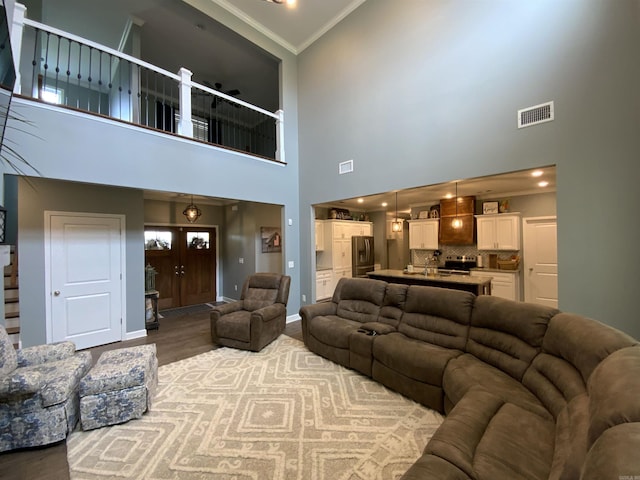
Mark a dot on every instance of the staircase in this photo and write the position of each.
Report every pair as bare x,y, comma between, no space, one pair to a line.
11,299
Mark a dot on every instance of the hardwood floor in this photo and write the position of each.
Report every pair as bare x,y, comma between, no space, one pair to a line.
178,337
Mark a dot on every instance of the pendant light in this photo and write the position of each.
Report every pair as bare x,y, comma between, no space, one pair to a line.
192,212
457,222
396,226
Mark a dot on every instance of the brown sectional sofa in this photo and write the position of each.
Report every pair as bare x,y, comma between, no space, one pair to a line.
529,392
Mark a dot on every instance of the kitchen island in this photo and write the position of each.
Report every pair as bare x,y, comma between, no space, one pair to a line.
476,285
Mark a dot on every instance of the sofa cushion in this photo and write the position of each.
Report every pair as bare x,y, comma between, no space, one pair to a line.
554,381
570,448
235,325
258,298
393,304
614,454
59,380
507,334
438,316
614,392
333,330
431,467
359,299
413,358
489,438
466,372
583,342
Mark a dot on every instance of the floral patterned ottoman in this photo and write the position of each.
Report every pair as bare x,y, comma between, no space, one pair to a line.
119,387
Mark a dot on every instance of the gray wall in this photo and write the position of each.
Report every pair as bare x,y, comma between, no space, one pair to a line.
238,231
242,240
428,93
158,212
38,195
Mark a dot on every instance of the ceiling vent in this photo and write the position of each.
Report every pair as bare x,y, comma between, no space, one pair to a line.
345,167
534,115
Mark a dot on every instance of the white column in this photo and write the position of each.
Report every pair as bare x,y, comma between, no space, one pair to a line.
280,136
185,127
17,27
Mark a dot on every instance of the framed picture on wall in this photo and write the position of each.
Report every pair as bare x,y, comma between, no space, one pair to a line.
271,239
489,208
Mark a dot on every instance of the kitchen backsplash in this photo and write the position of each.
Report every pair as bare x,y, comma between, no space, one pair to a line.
419,257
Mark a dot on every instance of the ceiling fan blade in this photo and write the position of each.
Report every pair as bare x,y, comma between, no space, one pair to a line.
233,92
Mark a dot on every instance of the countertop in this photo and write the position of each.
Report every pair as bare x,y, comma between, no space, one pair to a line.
498,270
419,277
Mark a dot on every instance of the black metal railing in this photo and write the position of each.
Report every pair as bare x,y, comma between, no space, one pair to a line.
222,121
63,69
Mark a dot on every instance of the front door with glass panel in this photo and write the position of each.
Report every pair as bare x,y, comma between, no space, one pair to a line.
184,259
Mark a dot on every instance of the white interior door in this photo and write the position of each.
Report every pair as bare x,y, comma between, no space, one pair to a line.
540,251
84,278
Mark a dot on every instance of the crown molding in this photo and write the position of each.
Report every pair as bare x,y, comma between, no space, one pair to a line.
252,22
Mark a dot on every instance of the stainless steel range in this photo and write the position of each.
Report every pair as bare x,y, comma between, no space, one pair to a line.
459,265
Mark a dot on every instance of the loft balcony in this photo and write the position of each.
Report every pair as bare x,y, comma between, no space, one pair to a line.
60,68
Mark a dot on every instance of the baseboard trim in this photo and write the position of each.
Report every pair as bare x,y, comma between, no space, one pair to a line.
293,318
136,334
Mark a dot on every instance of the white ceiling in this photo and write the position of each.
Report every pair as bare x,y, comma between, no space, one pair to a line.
294,28
483,188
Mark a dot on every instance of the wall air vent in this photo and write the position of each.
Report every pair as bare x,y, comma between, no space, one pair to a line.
345,167
535,115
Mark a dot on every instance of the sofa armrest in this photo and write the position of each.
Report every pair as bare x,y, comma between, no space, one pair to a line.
226,308
19,383
309,312
268,313
39,354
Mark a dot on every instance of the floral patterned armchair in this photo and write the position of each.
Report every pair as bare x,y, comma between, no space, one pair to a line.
39,400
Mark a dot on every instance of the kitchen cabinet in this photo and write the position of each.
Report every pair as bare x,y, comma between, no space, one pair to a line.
341,253
337,240
319,235
361,228
463,209
345,229
336,253
324,284
339,273
498,232
423,234
503,284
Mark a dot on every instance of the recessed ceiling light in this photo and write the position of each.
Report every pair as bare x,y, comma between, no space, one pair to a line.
543,184
384,204
537,173
449,195
360,200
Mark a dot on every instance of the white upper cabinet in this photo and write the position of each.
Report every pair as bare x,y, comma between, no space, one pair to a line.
498,232
423,234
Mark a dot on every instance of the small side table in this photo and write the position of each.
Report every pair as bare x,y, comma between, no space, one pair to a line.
151,319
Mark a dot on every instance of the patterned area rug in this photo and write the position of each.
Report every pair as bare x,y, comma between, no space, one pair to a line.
283,413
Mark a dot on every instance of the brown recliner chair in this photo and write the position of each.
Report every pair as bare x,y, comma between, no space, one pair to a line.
258,318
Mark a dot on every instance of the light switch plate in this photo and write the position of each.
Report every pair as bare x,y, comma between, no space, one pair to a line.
291,264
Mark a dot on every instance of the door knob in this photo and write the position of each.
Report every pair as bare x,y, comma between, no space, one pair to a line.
56,293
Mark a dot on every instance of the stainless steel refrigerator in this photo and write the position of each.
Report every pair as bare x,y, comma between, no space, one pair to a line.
361,255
